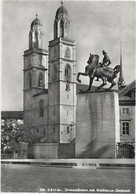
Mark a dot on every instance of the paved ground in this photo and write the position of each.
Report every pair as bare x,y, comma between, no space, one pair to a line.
28,178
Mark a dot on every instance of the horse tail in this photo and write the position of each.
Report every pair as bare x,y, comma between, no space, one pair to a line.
116,70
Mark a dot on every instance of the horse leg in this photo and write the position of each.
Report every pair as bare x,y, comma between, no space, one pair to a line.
78,77
90,84
103,84
112,84
84,74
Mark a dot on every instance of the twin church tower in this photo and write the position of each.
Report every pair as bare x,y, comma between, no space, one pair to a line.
50,86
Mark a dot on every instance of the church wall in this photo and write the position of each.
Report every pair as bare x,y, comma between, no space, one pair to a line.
54,93
54,114
42,131
37,120
68,113
43,151
27,62
27,107
26,82
31,113
65,54
35,80
53,133
54,110
62,70
36,100
66,150
35,59
40,123
68,97
53,50
67,133
53,70
28,100
68,110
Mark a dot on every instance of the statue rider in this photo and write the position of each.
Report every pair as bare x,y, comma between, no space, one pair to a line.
105,62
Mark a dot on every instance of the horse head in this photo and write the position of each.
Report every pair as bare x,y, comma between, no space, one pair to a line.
93,59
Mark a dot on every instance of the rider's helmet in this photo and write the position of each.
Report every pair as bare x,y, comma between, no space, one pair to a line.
104,52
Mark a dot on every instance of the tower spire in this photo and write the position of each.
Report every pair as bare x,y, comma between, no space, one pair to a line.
121,79
36,15
62,3
121,73
36,34
61,23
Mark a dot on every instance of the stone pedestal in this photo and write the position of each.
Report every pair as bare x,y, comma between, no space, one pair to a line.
51,150
97,127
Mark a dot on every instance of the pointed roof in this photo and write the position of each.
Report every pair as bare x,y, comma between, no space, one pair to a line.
129,87
36,21
61,12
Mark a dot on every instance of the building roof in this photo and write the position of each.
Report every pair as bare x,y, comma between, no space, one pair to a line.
45,91
12,114
35,22
61,12
131,86
127,94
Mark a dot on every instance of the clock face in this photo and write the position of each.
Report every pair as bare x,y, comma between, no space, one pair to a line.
67,52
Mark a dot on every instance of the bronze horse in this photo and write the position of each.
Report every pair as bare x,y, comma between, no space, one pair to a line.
93,69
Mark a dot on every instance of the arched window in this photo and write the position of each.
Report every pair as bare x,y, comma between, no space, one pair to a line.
68,71
67,129
67,52
41,108
61,28
41,80
29,80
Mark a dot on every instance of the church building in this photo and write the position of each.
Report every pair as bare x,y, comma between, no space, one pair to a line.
50,86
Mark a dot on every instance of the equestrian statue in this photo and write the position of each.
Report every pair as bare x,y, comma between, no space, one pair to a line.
100,70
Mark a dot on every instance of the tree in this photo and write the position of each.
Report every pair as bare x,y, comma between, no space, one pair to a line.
13,132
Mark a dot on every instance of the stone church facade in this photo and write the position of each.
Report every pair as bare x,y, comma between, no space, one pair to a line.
50,84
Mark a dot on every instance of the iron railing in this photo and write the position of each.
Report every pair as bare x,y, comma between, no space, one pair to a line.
126,150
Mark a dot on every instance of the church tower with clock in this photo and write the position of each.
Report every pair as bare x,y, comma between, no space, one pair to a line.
62,82
35,71
50,89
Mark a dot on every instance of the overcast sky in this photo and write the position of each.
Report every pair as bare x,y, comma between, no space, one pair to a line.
94,25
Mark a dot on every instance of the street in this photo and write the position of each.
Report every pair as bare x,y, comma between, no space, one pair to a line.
29,178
